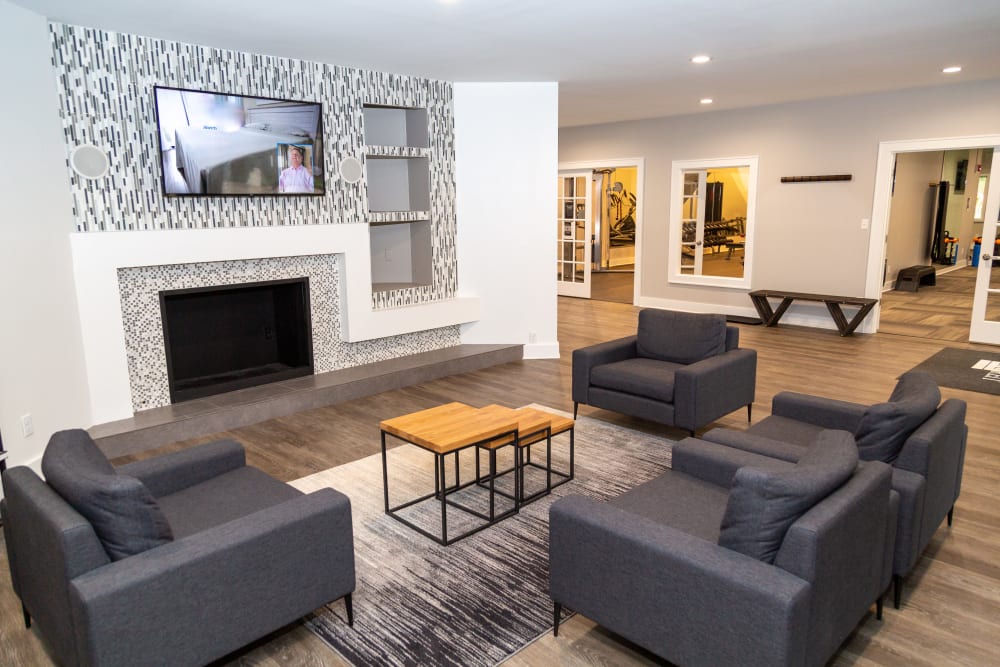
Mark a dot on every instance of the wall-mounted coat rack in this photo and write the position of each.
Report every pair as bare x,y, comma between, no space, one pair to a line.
815,179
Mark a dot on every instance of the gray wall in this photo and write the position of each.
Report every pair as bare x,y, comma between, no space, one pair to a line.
809,235
908,240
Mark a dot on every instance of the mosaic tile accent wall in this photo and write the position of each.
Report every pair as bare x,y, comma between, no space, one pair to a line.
105,86
139,288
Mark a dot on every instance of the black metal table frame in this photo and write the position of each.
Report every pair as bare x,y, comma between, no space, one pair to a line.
442,491
523,458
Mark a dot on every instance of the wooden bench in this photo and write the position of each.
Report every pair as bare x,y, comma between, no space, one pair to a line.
912,277
833,303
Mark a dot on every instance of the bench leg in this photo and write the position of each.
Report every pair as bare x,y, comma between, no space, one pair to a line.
782,307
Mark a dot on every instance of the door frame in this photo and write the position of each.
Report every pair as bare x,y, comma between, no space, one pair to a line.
640,179
887,151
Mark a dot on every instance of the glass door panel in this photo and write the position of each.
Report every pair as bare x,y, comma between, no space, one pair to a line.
986,303
573,234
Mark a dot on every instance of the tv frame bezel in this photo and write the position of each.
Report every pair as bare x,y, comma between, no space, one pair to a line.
159,146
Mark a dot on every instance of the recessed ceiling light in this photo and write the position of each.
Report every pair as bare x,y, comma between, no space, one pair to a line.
952,69
699,60
706,100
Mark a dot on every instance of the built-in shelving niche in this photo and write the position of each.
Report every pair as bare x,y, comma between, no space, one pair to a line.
397,177
395,126
397,183
401,255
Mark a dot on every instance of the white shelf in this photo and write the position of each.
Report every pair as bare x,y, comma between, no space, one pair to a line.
397,179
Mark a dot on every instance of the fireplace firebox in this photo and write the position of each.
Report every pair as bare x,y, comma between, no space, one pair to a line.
230,337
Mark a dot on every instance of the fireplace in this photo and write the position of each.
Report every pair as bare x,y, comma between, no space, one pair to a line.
230,337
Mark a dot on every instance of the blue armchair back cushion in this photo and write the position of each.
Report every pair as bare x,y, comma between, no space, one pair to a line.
884,427
764,503
682,338
124,514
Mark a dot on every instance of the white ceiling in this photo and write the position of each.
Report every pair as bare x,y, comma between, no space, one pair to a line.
614,59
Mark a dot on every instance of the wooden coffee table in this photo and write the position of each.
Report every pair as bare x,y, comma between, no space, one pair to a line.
449,429
535,426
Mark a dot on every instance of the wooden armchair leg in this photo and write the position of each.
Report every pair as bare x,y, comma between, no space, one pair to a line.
556,614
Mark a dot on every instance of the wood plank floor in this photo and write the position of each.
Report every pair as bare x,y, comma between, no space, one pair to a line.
951,604
942,311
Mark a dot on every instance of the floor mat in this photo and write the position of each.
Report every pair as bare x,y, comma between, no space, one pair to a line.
965,369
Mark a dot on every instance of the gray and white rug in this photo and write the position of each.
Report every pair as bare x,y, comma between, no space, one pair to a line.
483,598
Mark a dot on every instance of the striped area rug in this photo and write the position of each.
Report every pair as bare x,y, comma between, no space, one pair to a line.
483,598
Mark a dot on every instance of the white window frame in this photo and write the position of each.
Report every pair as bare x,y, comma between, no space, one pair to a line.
678,167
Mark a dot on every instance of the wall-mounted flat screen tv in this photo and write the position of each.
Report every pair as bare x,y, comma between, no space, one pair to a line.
215,144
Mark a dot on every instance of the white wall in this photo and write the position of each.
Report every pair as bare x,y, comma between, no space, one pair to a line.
506,157
809,236
41,354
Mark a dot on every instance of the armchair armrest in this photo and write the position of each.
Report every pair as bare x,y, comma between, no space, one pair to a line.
825,412
172,472
200,597
671,592
910,488
713,387
717,463
585,358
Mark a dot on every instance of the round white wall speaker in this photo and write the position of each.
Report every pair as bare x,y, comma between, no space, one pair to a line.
351,169
89,161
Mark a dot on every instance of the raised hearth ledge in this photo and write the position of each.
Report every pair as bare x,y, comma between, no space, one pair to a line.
98,256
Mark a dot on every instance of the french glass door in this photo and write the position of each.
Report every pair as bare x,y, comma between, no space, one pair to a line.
986,304
573,224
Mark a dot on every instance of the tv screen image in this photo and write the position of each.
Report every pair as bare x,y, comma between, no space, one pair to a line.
219,144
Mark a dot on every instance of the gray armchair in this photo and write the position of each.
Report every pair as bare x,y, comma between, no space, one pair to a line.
731,558
680,369
174,560
923,441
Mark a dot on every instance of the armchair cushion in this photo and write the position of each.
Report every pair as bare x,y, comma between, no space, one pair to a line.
765,501
224,498
124,514
884,427
681,338
639,376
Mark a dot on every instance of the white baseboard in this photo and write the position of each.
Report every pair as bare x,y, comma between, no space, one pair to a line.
541,351
805,313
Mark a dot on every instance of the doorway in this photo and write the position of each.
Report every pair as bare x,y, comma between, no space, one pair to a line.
933,207
608,267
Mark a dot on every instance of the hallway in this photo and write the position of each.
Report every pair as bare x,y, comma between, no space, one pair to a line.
941,312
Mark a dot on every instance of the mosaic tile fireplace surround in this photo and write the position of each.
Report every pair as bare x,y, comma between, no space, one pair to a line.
139,289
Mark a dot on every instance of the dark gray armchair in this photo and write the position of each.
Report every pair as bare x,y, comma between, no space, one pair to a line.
174,560
731,558
923,441
680,369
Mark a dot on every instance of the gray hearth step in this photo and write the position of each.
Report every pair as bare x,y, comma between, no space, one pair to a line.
192,419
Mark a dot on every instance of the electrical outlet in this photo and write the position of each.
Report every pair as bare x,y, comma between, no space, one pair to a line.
865,222
27,425
388,255
532,338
